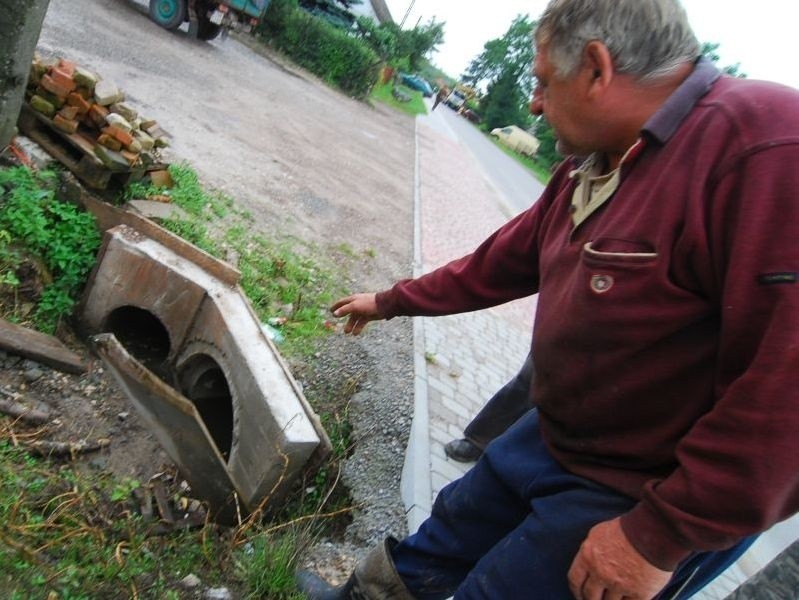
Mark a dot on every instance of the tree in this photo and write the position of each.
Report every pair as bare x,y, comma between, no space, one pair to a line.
505,68
511,54
547,153
708,50
502,104
396,46
20,26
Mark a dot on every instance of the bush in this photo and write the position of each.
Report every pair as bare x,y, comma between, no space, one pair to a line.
325,50
274,20
33,222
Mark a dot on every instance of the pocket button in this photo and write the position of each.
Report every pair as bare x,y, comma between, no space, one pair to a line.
601,283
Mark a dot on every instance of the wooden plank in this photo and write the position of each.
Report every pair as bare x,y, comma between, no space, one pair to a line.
109,216
33,123
42,348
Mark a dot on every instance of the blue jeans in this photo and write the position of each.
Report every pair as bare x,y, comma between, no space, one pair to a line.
510,528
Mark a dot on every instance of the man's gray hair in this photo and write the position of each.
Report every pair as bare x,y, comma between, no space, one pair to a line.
646,38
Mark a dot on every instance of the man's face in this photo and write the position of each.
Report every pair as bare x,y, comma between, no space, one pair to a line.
561,101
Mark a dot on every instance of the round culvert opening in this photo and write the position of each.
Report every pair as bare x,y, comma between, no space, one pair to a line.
202,381
143,336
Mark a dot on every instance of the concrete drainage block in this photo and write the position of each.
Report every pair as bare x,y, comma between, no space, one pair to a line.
188,350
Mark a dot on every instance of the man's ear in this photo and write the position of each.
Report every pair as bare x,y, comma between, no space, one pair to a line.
598,65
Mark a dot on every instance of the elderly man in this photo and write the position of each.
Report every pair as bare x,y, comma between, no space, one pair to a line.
666,339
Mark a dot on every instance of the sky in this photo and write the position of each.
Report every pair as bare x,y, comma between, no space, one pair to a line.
759,34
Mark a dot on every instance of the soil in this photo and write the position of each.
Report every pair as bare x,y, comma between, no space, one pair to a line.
308,163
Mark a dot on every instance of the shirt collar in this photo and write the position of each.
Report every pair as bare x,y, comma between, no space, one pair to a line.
662,125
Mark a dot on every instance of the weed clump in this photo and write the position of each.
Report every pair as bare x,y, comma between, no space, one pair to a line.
47,248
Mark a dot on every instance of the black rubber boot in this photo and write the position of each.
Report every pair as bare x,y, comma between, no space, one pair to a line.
463,450
375,578
316,588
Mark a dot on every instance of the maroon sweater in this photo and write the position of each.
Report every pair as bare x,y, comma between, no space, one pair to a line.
666,338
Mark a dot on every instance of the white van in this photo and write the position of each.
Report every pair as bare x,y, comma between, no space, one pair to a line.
517,139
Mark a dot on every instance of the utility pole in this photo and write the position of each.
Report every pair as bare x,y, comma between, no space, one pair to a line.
407,12
20,26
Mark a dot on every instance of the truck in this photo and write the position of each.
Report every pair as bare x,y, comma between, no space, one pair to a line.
455,100
208,18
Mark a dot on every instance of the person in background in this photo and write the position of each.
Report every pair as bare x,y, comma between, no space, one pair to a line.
666,337
441,95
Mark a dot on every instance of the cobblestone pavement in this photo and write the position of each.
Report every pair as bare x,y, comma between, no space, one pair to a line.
461,360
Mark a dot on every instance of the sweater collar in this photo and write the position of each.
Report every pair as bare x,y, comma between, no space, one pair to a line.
662,125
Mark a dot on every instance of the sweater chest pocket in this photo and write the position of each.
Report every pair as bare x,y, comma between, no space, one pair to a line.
624,269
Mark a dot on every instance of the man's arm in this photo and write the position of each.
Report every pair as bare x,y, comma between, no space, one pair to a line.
504,267
360,308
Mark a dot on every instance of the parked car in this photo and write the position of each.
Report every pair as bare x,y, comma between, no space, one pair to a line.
469,114
517,139
415,82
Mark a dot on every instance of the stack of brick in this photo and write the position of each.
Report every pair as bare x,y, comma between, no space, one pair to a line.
93,113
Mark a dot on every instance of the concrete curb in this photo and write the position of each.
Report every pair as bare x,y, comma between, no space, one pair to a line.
416,485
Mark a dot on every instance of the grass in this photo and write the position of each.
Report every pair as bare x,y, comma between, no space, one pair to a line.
69,534
77,536
541,173
283,284
382,93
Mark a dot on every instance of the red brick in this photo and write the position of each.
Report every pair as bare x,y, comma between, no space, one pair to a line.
97,114
54,88
67,66
131,157
76,100
69,112
85,93
109,142
65,124
123,137
63,79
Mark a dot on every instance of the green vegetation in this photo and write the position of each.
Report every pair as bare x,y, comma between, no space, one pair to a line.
322,48
541,172
504,68
348,58
503,104
384,93
71,532
73,536
42,239
403,49
285,287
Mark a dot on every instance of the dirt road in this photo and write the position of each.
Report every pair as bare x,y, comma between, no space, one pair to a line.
306,161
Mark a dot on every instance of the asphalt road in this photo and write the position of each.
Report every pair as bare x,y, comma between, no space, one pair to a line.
517,187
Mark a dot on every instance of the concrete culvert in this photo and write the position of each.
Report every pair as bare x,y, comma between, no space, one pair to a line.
203,381
143,335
